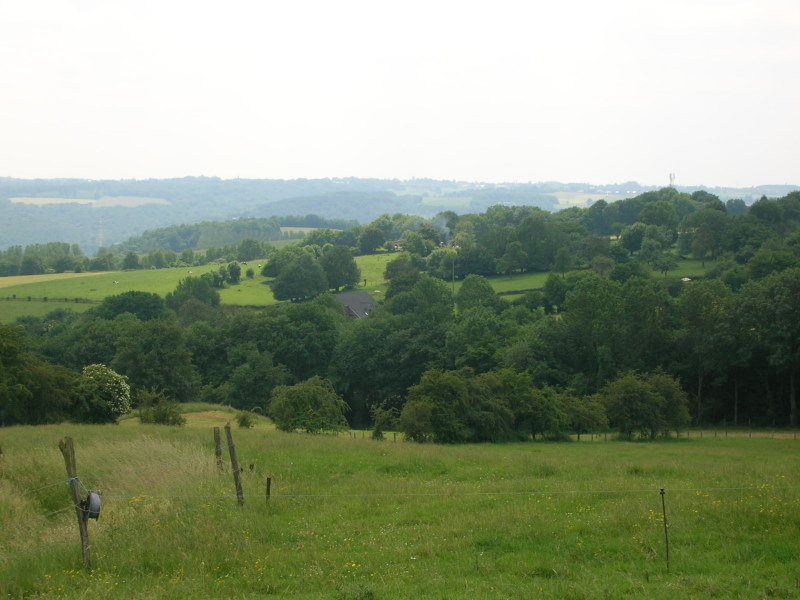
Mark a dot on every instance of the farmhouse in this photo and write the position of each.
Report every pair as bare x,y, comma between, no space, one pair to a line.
358,305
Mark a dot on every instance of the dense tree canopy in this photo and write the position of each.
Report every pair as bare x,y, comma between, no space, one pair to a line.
610,338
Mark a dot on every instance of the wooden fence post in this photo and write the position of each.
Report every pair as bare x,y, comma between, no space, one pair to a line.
68,450
218,448
666,527
269,488
237,479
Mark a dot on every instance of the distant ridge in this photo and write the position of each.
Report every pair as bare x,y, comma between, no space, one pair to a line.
94,212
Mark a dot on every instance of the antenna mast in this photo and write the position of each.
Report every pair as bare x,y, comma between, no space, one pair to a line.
672,180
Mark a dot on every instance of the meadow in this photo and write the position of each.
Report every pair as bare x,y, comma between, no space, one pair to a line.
353,518
14,291
249,292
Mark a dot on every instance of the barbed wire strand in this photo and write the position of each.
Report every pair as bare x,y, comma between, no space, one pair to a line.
760,488
52,485
44,487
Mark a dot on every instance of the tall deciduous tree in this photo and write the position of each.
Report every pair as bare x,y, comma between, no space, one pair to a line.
131,261
476,291
513,259
647,406
771,307
32,391
704,309
340,267
705,230
154,356
302,278
370,239
593,316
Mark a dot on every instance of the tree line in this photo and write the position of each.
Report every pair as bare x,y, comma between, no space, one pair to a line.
608,342
176,246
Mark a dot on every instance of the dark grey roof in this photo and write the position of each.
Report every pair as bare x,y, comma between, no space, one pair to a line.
358,304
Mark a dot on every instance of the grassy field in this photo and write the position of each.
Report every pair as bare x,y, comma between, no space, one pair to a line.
11,311
105,201
250,292
96,286
351,518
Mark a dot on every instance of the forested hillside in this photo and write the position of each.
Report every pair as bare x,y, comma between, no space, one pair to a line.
94,214
608,341
102,213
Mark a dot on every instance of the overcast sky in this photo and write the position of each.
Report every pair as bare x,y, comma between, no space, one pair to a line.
574,91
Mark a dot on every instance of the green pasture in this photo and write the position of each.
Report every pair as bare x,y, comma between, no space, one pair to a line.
691,268
512,283
99,285
12,310
352,518
372,267
250,292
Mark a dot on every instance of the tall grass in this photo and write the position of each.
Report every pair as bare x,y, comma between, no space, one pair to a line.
353,518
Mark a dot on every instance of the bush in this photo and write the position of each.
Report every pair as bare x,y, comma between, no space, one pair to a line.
246,419
103,395
312,406
384,417
157,408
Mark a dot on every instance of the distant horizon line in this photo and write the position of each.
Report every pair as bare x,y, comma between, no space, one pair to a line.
406,179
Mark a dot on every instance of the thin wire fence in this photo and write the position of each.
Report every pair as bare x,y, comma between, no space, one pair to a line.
132,500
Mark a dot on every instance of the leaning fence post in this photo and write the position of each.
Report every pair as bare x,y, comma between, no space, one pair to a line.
237,479
666,528
68,450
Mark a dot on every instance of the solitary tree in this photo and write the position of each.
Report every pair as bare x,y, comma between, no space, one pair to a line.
340,267
371,238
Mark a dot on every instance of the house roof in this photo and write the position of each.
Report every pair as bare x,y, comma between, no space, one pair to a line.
357,304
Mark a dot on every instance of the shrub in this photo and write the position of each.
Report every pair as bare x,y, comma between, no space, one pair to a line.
246,419
103,395
384,417
157,408
312,406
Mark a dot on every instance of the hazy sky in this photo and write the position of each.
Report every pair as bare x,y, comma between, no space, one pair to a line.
575,91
